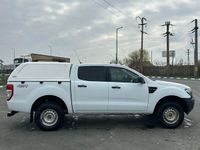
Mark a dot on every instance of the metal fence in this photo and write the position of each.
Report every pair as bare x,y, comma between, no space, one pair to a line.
172,71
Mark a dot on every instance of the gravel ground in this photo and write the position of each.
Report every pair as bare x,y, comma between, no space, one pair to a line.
101,132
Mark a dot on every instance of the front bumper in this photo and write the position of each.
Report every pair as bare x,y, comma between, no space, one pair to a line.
189,104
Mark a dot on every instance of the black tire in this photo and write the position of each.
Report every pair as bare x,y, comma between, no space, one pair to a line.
170,115
49,116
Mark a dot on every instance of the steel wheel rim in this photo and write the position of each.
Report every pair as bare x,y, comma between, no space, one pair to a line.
49,117
171,115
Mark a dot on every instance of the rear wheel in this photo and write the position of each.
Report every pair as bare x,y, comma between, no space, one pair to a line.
49,116
170,115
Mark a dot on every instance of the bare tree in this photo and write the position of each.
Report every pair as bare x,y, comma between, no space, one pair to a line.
113,61
180,63
133,59
1,64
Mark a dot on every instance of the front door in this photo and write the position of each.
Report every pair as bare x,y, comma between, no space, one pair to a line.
125,94
91,90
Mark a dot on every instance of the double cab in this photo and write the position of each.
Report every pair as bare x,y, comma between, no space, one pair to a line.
50,90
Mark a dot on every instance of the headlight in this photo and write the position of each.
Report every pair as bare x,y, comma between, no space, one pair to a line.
189,91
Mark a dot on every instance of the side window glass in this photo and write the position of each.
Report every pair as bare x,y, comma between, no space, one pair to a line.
122,75
92,73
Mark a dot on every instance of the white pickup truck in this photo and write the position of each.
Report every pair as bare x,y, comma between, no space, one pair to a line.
49,90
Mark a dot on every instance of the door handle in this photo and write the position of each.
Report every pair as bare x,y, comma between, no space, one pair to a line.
82,85
116,87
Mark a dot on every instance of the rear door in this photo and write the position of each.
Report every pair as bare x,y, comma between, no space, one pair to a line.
125,94
91,89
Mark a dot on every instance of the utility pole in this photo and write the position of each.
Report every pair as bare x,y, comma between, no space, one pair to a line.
14,58
172,60
117,29
195,30
50,48
167,34
142,24
192,43
188,56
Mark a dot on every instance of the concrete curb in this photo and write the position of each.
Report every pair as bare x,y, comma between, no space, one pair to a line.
177,78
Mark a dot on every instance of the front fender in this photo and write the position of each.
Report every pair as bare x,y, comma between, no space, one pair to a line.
155,97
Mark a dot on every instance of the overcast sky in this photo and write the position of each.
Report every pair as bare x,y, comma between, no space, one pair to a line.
88,27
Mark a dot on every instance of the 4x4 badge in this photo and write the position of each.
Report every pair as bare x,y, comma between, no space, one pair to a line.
22,85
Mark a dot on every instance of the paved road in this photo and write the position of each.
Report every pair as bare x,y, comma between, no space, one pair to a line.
101,132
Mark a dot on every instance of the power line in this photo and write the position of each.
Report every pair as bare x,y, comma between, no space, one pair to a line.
104,7
114,8
100,5
111,5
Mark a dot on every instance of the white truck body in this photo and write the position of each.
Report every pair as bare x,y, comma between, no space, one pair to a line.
34,80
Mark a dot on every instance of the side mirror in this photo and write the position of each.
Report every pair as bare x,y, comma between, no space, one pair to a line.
140,80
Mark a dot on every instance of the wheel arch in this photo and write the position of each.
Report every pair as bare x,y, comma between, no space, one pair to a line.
171,99
49,98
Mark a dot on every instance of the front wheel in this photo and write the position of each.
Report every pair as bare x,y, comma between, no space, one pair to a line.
170,115
49,116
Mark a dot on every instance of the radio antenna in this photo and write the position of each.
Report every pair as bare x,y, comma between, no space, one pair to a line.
77,56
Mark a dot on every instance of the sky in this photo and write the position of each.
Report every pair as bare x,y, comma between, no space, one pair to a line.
87,28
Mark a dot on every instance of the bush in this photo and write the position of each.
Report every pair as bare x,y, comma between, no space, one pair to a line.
3,79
